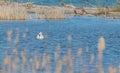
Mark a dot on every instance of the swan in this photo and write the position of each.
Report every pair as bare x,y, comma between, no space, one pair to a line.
40,36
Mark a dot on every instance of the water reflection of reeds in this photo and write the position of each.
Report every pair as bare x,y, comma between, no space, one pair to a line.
13,62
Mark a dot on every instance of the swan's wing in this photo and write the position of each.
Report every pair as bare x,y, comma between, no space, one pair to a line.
37,36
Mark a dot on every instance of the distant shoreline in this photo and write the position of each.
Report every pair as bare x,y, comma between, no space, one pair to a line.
22,11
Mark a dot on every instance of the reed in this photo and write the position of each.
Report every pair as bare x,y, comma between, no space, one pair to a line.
9,34
59,67
54,13
101,47
100,69
57,53
57,63
79,52
110,69
92,58
12,13
115,9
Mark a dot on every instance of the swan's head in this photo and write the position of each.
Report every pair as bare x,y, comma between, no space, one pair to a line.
40,32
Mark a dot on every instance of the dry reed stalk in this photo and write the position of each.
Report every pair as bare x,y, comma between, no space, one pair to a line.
15,51
9,34
101,47
79,52
119,68
69,62
69,38
87,50
114,70
48,65
23,55
92,59
37,15
44,61
54,14
16,39
25,34
59,67
57,53
37,62
100,69
110,69
6,60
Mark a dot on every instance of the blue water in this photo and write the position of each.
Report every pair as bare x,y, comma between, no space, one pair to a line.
85,32
74,2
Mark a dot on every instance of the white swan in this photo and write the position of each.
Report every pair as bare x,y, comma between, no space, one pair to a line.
40,36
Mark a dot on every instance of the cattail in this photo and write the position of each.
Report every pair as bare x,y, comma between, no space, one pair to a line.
9,33
59,67
110,69
101,47
79,52
92,59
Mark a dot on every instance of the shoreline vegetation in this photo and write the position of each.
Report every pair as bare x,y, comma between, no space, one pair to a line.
24,11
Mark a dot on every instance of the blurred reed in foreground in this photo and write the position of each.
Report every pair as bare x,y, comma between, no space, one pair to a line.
14,62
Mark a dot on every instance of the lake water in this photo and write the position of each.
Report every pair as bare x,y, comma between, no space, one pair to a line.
85,33
74,2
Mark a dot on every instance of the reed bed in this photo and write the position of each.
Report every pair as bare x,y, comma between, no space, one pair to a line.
12,13
115,9
14,62
54,13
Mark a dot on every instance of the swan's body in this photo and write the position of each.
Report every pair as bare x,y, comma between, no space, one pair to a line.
40,36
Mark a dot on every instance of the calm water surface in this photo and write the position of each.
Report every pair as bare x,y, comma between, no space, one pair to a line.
85,32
